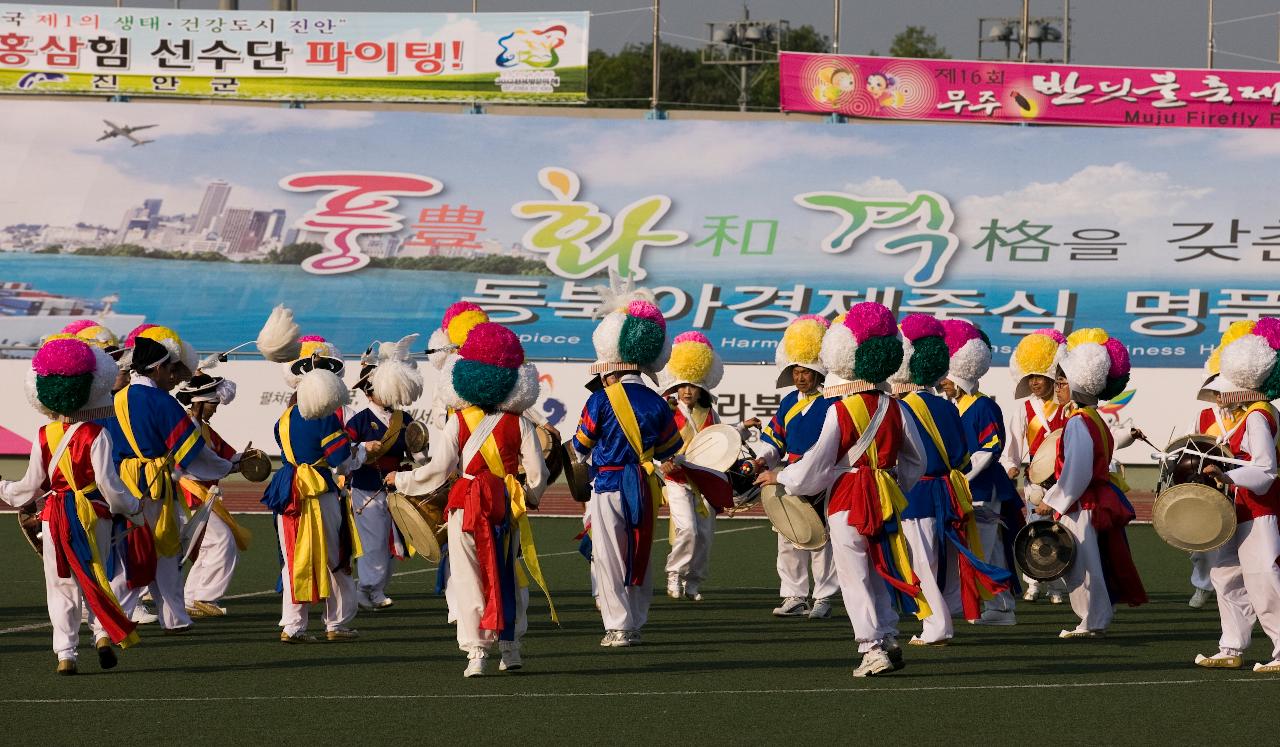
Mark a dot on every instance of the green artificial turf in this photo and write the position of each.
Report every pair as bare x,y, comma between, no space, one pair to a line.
722,670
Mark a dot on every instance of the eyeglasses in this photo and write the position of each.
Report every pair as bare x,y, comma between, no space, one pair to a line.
1061,384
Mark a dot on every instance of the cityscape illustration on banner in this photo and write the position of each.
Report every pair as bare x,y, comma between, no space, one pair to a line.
528,57
738,227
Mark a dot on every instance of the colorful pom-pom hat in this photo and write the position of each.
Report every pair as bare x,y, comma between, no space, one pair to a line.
459,319
861,350
693,361
153,345
632,336
70,379
1246,361
970,353
1037,354
1096,366
489,371
925,356
801,346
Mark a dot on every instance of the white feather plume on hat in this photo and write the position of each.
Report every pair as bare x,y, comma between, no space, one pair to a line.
396,380
279,339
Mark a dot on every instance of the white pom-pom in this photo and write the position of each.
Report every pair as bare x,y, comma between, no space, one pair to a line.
225,391
903,374
972,361
838,350
321,393
396,383
605,338
525,393
104,379
1247,362
188,356
441,349
445,392
1086,366
278,340
29,385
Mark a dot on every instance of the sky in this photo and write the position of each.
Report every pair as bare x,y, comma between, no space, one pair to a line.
1143,33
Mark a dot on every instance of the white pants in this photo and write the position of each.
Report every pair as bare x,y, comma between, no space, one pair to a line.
166,590
622,607
64,597
466,593
793,571
340,606
866,598
373,522
210,575
690,556
926,555
1200,567
990,530
1247,582
1089,598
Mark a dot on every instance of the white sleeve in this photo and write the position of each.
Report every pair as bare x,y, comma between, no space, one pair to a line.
1077,467
768,452
911,458
354,462
18,493
1121,437
535,415
535,467
815,472
1015,437
978,461
1260,473
436,472
208,466
112,488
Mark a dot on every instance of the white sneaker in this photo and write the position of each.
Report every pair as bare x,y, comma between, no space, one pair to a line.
691,592
363,600
675,589
1057,599
615,639
142,616
511,661
996,617
821,609
1199,598
874,662
1033,591
792,607
475,664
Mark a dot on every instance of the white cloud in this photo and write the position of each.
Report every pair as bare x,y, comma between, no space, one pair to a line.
1250,144
707,152
876,186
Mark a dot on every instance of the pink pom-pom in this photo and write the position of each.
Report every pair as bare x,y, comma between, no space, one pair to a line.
1268,328
691,336
957,332
78,325
133,335
1052,334
492,343
1119,358
311,338
456,309
64,357
870,319
646,310
915,326
825,322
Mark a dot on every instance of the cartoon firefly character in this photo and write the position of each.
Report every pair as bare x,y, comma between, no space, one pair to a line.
883,88
833,82
1026,107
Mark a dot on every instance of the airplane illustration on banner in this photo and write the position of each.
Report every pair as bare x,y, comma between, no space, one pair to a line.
124,131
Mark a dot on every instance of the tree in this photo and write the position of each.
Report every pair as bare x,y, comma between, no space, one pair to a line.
915,42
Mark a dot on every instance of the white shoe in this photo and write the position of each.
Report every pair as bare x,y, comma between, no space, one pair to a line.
382,601
615,639
821,609
142,616
511,660
873,662
1081,633
792,607
996,617
1057,598
363,600
691,592
475,664
1033,591
1199,598
675,589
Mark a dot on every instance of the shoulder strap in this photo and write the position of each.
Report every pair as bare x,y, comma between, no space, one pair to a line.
922,413
286,444
481,425
56,462
626,416
126,425
867,422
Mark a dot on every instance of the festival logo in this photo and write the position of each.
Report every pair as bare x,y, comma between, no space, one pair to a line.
532,48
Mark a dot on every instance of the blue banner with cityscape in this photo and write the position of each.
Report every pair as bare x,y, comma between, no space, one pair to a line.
370,223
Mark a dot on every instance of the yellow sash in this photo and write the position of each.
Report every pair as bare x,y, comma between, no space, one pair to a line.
519,510
626,416
964,497
156,476
892,501
388,439
687,432
54,433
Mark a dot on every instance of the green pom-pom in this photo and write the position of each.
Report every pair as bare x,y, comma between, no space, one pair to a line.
877,359
1114,387
64,394
1271,387
483,384
641,341
930,361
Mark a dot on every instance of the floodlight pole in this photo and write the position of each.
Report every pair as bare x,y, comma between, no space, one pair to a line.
835,30
1066,32
657,55
1023,35
1210,50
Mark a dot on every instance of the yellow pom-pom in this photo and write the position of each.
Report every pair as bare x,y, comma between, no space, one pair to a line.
1214,365
160,334
838,320
1035,354
97,335
802,342
461,325
313,347
1089,334
690,361
57,336
1236,331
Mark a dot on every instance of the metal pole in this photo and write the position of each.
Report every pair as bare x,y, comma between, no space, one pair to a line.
657,54
1023,39
742,88
474,4
835,31
228,4
1210,50
284,5
1066,31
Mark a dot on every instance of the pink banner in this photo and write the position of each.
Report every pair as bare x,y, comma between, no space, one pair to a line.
963,90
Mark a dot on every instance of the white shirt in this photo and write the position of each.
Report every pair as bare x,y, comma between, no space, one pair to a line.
446,454
18,493
1260,473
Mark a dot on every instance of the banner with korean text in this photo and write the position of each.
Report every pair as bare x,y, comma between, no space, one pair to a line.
973,91
334,56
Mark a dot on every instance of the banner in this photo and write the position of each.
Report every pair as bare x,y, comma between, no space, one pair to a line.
338,56
971,91
369,224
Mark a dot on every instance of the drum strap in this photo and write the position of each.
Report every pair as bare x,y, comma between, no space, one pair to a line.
394,427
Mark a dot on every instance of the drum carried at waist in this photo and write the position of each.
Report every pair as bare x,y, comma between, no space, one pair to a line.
1191,513
31,525
421,519
1041,469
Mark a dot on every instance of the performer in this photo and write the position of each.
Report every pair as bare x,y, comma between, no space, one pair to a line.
316,531
222,538
70,466
626,429
486,386
390,382
1041,409
1219,421
693,496
1245,576
996,504
863,437
1088,499
791,432
939,522
160,436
